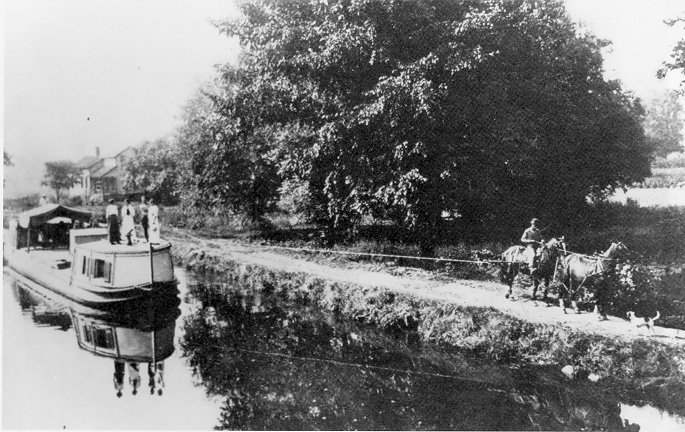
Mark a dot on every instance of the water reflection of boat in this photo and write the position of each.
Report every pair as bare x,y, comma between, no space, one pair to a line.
129,333
80,263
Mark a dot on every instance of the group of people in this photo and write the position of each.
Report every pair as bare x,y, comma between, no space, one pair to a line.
124,226
155,373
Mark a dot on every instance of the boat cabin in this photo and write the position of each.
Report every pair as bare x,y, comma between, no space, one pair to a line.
48,227
104,264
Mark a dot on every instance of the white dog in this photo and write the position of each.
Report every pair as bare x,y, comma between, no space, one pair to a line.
643,322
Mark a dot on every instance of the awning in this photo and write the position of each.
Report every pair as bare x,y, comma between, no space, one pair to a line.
41,215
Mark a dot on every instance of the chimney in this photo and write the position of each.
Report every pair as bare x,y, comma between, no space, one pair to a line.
97,151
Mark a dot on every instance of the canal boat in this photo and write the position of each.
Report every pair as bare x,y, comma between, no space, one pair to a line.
81,264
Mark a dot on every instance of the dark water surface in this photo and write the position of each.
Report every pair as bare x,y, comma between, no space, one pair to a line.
230,359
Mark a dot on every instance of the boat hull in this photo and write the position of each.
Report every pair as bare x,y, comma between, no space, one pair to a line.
60,282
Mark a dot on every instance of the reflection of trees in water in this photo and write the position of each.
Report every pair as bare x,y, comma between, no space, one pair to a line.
258,355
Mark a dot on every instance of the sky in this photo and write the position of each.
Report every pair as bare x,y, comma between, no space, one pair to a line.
81,74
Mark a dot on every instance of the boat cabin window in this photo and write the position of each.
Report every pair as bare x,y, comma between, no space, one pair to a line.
97,268
99,337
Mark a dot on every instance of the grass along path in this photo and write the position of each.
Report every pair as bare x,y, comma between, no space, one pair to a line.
421,284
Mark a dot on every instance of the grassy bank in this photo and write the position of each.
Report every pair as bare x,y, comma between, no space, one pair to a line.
485,331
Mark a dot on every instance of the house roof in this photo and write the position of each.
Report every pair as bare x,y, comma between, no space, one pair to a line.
87,162
103,171
113,173
127,149
40,215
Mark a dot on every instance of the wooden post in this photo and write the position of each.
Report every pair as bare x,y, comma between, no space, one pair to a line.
28,238
152,270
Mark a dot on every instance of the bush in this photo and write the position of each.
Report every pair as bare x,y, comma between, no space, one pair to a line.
676,160
76,201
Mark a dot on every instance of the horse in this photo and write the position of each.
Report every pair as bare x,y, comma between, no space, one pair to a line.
580,270
514,262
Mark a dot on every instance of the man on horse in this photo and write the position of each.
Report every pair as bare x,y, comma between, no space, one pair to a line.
532,238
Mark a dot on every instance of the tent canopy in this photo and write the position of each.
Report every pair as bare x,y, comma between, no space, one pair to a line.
41,215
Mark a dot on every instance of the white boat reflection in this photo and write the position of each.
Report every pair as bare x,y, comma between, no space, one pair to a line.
131,334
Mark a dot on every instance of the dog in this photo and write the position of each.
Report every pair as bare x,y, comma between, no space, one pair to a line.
643,322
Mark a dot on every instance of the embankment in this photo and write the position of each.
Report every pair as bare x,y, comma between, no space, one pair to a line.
472,315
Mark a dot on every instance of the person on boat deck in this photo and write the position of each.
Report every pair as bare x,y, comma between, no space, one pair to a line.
119,377
134,377
532,237
128,227
144,221
112,215
43,201
153,216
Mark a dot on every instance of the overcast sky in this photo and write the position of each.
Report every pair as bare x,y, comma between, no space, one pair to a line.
81,74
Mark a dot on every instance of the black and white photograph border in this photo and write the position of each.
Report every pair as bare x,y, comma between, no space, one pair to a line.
343,214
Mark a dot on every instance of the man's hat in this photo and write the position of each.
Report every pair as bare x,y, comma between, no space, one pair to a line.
111,201
535,220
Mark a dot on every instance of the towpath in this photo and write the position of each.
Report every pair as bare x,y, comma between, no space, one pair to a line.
428,285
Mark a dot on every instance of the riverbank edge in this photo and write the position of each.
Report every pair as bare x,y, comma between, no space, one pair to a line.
482,330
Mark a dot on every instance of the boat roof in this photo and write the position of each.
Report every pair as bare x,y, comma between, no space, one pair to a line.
41,215
104,246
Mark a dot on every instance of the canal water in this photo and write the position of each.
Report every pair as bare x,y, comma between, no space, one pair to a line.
216,356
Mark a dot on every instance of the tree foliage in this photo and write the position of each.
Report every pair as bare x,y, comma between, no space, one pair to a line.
664,125
61,176
404,109
7,159
677,62
153,170
225,153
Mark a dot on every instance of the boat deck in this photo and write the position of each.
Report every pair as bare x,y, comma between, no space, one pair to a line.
49,257
106,247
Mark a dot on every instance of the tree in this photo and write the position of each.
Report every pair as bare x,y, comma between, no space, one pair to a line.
677,62
154,170
401,110
61,176
663,124
224,156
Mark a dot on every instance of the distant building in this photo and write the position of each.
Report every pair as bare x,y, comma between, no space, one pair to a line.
101,177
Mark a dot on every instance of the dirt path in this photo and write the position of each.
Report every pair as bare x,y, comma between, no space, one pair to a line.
428,285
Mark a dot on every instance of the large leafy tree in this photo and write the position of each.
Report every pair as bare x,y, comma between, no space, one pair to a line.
61,176
153,170
225,151
404,109
664,125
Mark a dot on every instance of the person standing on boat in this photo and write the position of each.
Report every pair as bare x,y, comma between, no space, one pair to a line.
119,377
144,221
112,215
134,377
128,226
43,201
153,216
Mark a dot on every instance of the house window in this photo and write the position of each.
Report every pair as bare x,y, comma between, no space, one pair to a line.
85,265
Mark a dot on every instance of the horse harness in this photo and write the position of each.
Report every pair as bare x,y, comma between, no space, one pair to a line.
599,268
